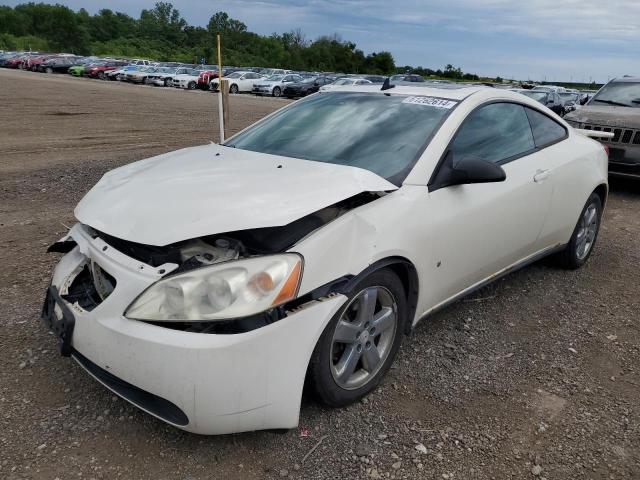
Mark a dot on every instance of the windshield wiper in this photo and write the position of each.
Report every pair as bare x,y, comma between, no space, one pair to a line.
610,102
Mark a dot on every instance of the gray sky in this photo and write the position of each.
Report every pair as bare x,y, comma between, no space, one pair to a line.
536,39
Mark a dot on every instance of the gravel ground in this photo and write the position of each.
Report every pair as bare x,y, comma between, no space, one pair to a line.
536,376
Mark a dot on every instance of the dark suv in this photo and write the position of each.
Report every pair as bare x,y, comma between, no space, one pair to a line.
615,108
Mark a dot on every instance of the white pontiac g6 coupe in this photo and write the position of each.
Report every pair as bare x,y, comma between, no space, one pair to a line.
206,285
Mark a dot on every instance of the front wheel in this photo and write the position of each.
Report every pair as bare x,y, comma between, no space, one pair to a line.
277,92
579,248
101,75
49,70
360,343
192,85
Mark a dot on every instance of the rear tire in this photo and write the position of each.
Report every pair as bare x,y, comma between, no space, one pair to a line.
101,75
276,92
233,88
360,342
584,236
49,70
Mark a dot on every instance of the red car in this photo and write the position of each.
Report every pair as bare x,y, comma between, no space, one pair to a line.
16,62
98,71
208,73
32,62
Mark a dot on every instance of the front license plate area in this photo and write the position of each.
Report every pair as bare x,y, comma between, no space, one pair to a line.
58,318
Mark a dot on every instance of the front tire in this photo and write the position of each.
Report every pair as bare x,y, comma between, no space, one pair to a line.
48,70
192,85
584,236
360,342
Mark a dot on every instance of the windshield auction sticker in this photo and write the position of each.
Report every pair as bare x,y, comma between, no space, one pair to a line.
431,102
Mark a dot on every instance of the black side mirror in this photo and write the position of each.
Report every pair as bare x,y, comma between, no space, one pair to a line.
467,170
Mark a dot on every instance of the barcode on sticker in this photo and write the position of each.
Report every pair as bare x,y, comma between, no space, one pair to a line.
431,102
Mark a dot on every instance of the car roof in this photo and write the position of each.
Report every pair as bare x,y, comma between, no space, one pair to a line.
455,92
627,78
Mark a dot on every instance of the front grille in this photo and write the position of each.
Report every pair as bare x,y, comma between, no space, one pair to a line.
620,135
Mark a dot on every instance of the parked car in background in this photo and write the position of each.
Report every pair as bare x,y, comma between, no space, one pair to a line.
267,72
549,99
406,78
139,74
549,88
274,84
240,81
306,86
570,101
79,69
57,64
99,71
379,79
207,73
119,73
163,76
345,81
187,80
616,109
209,285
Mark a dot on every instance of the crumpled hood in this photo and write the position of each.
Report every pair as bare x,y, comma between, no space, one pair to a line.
213,189
607,115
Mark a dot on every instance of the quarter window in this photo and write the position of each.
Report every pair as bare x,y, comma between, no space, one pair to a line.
545,130
496,133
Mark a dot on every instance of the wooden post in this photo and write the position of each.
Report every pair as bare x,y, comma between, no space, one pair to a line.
221,109
224,92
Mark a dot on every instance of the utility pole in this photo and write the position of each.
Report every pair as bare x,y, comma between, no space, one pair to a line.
220,89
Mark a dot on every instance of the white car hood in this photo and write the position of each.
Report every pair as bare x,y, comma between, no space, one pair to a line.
213,189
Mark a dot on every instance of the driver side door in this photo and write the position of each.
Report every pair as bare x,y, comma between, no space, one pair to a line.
482,229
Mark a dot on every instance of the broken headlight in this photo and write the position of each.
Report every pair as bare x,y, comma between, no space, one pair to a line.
223,291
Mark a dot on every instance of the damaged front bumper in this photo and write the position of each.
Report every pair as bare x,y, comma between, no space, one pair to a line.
200,382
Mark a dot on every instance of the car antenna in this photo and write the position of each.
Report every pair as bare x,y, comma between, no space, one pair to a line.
387,84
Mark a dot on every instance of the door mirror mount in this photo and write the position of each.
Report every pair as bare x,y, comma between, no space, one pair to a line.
466,171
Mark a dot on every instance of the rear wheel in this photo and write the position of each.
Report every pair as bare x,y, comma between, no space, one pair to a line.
360,343
233,88
167,82
49,70
584,235
101,75
276,92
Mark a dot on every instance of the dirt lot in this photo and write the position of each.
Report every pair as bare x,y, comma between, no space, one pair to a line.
535,376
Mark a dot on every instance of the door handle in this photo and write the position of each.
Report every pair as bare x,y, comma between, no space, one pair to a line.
541,176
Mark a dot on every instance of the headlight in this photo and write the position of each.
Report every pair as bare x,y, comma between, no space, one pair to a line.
224,291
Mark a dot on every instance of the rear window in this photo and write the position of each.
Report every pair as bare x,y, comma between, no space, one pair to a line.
381,133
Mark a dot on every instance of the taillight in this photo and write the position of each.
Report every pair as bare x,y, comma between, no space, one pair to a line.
606,149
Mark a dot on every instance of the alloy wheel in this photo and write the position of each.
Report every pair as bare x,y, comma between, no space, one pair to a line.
363,337
587,232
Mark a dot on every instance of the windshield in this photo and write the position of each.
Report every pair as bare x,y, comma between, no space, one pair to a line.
381,133
343,81
621,94
539,96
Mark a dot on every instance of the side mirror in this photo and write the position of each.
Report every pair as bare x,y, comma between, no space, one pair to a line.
466,171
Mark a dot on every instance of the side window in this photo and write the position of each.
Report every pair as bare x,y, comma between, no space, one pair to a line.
545,130
495,132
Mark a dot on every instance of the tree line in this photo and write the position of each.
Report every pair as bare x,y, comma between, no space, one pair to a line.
161,33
